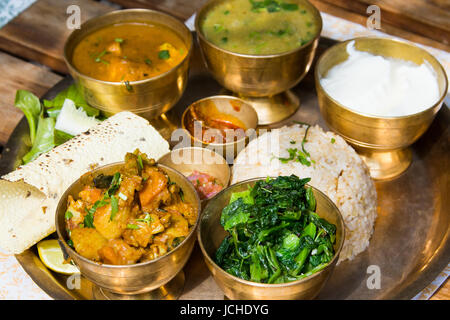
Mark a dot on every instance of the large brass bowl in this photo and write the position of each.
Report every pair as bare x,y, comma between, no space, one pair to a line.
257,76
381,141
149,97
136,278
211,233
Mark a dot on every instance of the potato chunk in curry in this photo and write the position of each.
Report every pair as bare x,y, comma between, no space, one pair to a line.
133,216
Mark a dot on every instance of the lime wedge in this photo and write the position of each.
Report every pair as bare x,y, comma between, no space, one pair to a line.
52,257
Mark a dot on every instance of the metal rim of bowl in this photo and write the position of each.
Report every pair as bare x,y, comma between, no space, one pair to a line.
201,12
202,150
214,97
344,43
135,265
272,285
189,43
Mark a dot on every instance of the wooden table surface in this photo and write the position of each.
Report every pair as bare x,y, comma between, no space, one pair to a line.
31,49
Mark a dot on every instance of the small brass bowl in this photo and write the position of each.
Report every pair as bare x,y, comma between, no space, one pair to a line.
381,141
148,98
211,234
260,78
187,160
228,105
135,279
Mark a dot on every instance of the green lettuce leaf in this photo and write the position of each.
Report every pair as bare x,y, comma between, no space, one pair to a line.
44,140
73,94
31,107
61,137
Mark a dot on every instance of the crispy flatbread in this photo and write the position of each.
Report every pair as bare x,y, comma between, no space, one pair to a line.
29,195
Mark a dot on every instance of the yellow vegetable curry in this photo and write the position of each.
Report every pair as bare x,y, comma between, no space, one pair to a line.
133,216
128,52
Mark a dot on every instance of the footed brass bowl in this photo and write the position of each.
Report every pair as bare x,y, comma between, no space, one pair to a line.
148,98
211,233
382,142
262,80
135,281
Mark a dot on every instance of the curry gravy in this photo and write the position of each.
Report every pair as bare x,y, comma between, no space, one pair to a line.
128,52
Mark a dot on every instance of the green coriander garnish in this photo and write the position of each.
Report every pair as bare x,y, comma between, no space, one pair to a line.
333,140
218,27
304,140
140,164
68,215
114,186
119,40
114,207
89,218
177,241
292,142
132,226
289,6
147,219
302,155
88,221
181,193
224,39
128,86
164,54
98,58
226,12
148,61
272,6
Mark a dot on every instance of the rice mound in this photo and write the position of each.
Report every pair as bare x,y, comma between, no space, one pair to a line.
337,171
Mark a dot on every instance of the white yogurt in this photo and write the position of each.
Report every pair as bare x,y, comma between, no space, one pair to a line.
380,86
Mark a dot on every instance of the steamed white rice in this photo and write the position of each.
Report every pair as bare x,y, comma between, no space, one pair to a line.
337,171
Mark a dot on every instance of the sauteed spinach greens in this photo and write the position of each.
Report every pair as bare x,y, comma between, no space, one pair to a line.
274,234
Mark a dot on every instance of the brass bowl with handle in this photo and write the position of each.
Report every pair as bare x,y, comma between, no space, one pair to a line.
124,281
211,234
148,98
382,142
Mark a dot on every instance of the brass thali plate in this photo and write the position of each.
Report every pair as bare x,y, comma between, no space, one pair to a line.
410,244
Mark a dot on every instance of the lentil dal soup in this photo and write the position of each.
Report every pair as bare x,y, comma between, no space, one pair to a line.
260,27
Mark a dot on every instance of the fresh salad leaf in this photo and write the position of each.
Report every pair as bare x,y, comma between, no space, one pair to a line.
31,107
73,120
274,235
71,93
54,123
53,112
44,140
61,137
